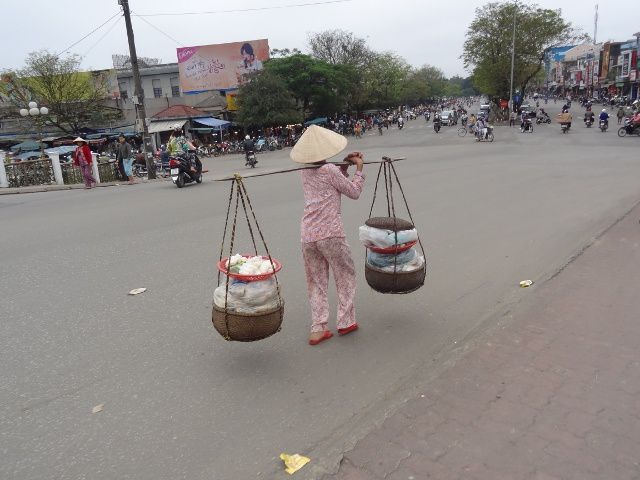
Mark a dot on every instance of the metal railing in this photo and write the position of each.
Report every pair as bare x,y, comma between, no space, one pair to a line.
71,174
30,172
108,172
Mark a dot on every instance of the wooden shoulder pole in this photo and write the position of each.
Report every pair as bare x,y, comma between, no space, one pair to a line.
306,167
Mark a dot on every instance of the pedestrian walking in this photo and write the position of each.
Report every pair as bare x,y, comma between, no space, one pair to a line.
358,130
82,158
512,119
620,115
324,245
123,151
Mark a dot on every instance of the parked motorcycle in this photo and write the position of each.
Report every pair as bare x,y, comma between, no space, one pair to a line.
272,144
140,169
185,169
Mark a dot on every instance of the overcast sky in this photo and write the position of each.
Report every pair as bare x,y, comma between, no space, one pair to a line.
422,31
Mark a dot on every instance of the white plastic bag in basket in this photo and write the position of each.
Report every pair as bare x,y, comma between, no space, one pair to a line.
249,297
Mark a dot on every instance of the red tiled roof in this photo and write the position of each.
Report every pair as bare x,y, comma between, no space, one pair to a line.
178,111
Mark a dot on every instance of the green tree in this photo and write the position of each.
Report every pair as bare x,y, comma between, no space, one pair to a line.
385,79
265,100
74,98
487,49
319,88
424,84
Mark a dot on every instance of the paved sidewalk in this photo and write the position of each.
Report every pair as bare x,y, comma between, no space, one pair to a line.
75,186
554,393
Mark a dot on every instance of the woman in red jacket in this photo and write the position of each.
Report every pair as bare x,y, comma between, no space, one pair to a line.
83,159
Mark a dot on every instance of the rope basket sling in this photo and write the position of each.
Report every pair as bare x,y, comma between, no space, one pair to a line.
245,327
396,281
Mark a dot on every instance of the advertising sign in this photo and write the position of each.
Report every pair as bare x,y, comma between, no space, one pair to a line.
232,106
626,61
604,72
220,67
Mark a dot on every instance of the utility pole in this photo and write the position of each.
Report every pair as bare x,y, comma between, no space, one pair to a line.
595,25
513,55
138,97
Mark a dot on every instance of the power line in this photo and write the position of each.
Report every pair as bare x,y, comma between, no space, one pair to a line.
239,10
88,34
156,28
115,24
167,35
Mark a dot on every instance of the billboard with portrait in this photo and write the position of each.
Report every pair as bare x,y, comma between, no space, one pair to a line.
220,67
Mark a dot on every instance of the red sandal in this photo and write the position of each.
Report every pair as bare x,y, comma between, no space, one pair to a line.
349,329
325,336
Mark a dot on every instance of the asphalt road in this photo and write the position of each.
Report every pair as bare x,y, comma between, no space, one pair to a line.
179,401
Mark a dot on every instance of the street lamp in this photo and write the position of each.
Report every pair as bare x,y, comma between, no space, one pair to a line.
36,112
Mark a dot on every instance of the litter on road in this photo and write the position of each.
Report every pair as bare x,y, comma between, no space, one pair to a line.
137,291
294,462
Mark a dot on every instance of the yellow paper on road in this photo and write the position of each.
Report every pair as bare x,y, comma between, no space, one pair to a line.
293,462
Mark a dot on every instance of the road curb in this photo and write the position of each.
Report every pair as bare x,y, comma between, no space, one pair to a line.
57,188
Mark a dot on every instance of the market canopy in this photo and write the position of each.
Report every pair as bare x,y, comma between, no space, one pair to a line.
26,156
27,146
60,150
316,121
213,122
165,125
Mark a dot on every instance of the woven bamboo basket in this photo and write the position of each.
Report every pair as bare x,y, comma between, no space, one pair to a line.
245,327
398,282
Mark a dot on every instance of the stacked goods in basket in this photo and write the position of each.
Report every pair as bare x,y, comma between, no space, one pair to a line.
394,265
248,305
252,286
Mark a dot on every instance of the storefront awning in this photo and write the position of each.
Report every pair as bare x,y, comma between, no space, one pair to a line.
165,125
316,121
212,122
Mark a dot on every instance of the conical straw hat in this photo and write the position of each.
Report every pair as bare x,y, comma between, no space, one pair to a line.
317,144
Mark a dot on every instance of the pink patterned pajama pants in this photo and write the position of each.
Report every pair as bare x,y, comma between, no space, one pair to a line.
319,256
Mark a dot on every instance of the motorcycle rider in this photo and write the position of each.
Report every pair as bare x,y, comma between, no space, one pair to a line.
604,116
481,128
400,122
524,120
437,121
588,116
248,146
179,145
